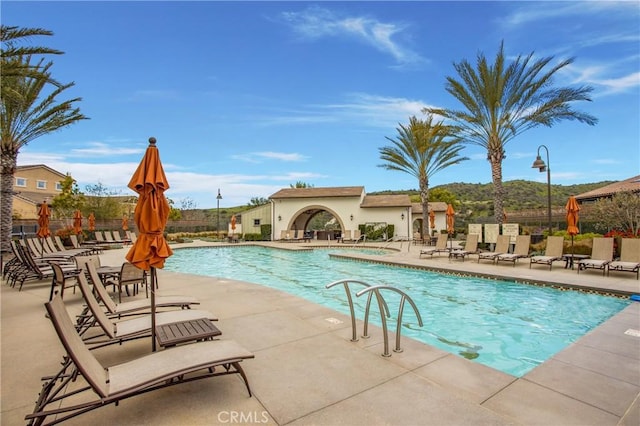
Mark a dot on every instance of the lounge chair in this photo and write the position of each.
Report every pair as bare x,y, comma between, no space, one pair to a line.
37,268
520,251
470,247
357,235
138,306
91,248
601,255
553,252
629,257
63,279
441,246
127,329
502,247
61,399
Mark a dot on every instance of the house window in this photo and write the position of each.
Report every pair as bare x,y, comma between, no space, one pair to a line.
256,222
58,186
41,184
21,181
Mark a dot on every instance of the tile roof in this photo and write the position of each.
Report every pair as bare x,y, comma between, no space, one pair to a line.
386,201
329,192
631,184
436,206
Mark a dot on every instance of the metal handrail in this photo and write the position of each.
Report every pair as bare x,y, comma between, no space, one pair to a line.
383,307
376,289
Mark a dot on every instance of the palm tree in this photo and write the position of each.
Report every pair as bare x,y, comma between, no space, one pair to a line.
24,116
421,149
11,53
503,100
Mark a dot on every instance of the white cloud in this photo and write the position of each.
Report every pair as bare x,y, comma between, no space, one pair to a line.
257,157
317,22
100,149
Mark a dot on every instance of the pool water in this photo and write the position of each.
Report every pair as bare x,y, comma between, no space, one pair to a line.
508,326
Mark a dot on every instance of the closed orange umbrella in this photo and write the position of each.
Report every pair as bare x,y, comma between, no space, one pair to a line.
77,222
92,222
450,219
125,222
151,214
233,222
573,210
432,219
43,221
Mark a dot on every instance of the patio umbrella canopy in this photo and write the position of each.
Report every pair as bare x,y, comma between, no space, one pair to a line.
432,219
125,222
77,222
92,222
43,221
573,210
151,214
450,222
233,223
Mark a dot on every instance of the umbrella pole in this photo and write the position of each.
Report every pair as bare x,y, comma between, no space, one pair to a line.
153,308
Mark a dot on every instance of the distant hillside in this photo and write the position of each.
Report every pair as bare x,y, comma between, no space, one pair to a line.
520,194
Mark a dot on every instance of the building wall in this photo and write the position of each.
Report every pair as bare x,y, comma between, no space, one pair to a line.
39,180
252,219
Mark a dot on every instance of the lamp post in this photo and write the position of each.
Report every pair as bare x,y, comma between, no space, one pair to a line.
219,197
540,164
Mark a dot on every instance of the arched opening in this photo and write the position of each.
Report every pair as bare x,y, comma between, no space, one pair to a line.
318,222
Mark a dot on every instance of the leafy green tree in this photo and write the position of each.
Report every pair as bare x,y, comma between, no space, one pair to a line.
500,101
620,212
27,112
300,184
422,149
69,200
102,202
174,214
258,201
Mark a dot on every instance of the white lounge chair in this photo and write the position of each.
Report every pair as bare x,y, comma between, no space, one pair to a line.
553,252
629,257
601,255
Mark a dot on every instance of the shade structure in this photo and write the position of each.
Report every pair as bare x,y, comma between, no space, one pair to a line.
573,210
151,214
432,219
77,222
92,222
233,223
125,222
43,221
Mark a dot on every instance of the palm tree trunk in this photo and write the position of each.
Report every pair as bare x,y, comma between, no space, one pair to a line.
424,200
498,190
8,167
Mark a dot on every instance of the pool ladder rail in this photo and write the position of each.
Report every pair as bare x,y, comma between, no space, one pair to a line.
383,308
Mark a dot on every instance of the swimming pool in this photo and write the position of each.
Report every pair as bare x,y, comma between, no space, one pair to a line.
508,326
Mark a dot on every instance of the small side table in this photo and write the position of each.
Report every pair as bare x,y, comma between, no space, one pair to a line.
570,258
186,331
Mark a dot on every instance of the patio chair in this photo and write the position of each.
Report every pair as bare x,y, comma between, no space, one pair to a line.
629,257
137,307
132,236
100,237
61,399
113,332
37,268
520,251
345,236
553,252
441,246
502,247
63,279
470,247
601,255
129,276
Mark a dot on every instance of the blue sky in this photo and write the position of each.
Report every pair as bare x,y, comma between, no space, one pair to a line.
251,97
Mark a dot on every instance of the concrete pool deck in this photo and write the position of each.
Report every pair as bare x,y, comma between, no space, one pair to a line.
306,370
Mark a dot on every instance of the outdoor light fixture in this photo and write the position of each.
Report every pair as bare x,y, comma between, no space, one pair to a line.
542,166
279,218
351,217
219,197
402,216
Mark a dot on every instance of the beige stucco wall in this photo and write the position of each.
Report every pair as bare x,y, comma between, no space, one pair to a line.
290,214
261,213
